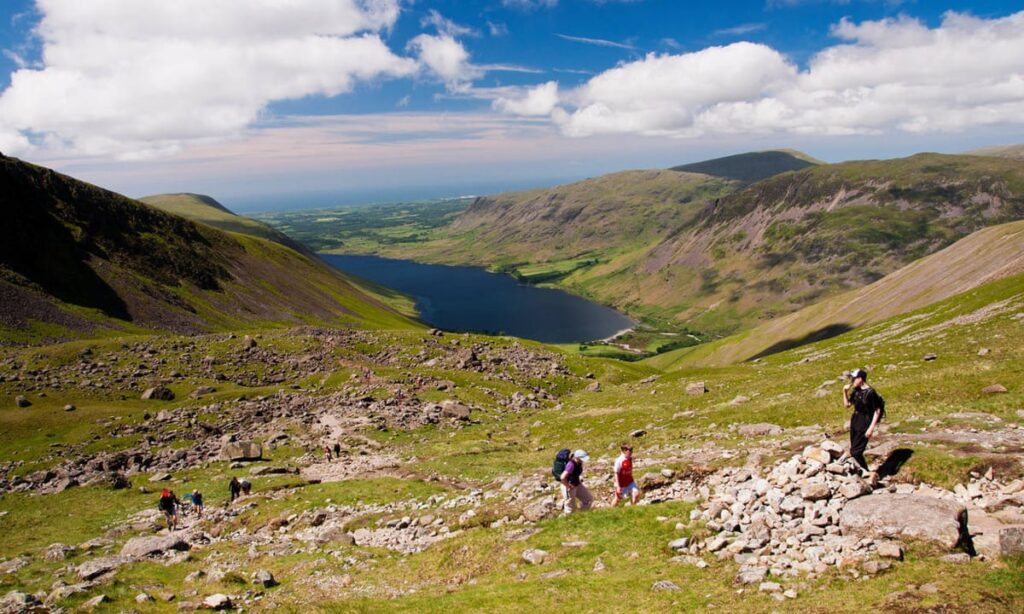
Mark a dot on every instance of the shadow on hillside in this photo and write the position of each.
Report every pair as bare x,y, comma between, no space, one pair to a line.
892,464
827,332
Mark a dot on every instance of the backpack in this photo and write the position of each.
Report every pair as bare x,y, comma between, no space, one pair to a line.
881,406
561,460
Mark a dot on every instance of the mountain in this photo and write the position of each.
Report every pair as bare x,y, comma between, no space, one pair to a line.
1013,152
206,210
984,256
751,167
616,211
719,256
79,260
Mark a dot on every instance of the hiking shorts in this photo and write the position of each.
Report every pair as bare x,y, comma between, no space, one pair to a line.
629,490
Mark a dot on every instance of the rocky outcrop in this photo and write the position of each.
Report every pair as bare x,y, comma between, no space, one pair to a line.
241,451
910,516
139,547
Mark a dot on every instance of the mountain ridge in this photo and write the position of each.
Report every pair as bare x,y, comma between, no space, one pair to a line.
114,264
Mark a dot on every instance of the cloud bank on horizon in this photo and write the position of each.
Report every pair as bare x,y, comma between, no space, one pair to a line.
125,79
893,74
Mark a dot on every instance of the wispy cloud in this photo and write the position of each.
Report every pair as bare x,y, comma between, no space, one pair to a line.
600,42
740,30
497,28
509,68
445,25
573,71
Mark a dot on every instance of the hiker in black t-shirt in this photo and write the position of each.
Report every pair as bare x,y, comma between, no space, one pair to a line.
867,411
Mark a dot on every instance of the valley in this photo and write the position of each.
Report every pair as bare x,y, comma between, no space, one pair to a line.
400,468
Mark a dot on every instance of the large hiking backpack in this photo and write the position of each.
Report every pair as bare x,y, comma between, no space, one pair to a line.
561,460
881,406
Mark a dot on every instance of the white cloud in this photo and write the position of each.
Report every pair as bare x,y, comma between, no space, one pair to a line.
447,58
540,100
888,75
600,42
136,79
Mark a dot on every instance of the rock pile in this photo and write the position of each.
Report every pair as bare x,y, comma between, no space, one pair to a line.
789,521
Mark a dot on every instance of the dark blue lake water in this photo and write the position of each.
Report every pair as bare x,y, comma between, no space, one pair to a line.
468,299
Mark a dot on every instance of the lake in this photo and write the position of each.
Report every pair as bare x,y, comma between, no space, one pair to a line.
470,299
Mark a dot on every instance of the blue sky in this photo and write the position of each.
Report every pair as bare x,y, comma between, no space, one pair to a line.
365,100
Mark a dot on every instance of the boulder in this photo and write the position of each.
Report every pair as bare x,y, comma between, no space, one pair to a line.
241,451
158,393
696,388
854,487
264,578
887,515
994,389
16,601
454,409
890,550
679,544
94,568
1011,541
69,407
759,430
540,509
139,547
219,601
814,491
534,556
56,552
22,401
160,477
594,387
93,603
665,585
818,454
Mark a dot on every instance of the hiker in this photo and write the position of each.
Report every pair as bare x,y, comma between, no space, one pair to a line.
327,453
337,450
197,502
572,482
246,487
867,411
625,485
234,488
169,506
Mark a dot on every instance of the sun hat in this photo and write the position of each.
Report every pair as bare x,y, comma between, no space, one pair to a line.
858,372
580,454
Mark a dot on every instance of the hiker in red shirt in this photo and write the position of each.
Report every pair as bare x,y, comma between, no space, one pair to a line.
625,485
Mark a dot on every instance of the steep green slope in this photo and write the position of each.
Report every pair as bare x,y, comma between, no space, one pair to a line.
992,253
750,167
206,210
77,260
792,240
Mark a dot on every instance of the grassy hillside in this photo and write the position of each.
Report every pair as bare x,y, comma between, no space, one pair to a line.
206,210
77,260
750,167
467,482
986,255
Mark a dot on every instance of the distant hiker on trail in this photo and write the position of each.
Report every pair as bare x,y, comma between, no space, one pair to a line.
337,450
568,469
169,506
327,453
246,487
197,502
234,488
868,408
625,485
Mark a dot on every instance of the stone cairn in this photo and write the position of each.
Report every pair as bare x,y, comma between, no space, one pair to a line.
785,523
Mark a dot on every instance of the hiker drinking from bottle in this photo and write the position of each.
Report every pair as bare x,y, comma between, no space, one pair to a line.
570,476
625,485
868,408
